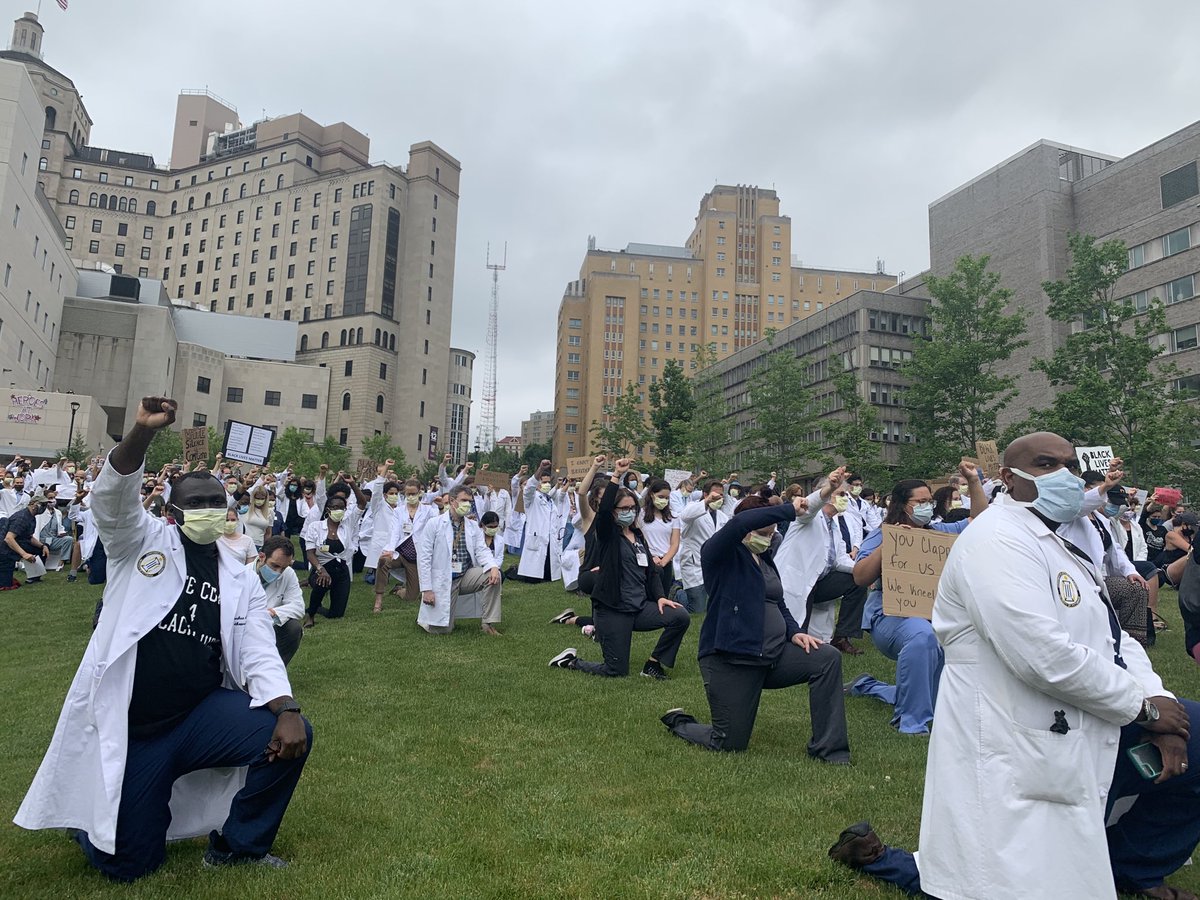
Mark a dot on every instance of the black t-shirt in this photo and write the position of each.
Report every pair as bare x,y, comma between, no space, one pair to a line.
179,662
633,575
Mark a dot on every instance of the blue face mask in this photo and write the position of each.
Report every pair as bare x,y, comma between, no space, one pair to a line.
267,574
1111,511
1060,494
625,517
922,513
242,510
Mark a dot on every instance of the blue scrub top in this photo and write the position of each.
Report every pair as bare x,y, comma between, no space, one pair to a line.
870,544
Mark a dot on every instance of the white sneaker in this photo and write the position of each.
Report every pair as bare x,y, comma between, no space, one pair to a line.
564,659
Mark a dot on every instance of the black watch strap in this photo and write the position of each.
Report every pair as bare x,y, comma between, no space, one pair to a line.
290,706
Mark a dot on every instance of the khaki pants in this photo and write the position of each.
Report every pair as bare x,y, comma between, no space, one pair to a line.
474,581
412,589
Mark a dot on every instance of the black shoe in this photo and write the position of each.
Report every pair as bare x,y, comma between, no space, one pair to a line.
561,618
219,854
857,846
71,576
673,717
565,660
653,670
37,580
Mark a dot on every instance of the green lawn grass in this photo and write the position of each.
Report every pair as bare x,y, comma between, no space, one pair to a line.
463,767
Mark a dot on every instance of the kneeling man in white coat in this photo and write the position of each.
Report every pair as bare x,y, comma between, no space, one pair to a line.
180,720
1030,788
452,559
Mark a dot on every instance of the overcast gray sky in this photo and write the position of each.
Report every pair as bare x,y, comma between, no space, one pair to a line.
614,118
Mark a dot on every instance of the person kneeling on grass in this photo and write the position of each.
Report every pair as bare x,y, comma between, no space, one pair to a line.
628,591
453,558
21,543
285,601
180,718
750,641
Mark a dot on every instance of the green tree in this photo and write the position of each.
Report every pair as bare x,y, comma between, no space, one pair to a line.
379,448
781,414
294,447
166,447
77,451
672,404
533,455
849,434
623,430
1111,390
502,460
956,393
709,432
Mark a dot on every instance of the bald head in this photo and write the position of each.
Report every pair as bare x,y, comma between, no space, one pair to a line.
1035,454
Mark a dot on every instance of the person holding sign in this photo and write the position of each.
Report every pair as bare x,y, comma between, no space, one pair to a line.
907,639
1050,720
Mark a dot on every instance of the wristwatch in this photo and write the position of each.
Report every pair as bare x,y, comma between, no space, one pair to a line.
293,706
1149,710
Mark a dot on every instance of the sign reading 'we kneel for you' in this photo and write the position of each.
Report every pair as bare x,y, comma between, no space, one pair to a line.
913,559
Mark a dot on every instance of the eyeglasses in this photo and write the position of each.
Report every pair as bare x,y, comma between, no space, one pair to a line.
622,508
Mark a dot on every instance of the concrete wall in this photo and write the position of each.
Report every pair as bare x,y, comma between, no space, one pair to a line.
38,423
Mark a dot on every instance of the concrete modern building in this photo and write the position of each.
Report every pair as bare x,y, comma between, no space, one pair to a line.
282,219
1022,211
456,437
538,428
632,310
868,332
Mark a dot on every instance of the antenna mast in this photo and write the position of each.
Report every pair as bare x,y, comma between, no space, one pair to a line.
485,435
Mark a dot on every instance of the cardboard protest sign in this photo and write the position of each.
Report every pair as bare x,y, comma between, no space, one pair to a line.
366,469
674,476
989,458
578,466
248,443
913,559
195,444
1094,459
497,481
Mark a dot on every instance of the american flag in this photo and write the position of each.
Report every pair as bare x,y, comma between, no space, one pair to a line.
62,3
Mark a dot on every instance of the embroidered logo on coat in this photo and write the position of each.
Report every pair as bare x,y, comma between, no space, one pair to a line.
152,563
1068,590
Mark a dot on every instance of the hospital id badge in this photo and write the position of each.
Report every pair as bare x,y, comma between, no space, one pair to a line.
324,548
407,529
642,559
456,567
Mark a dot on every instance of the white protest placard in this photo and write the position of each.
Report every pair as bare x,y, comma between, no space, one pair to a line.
248,443
913,559
1094,459
674,476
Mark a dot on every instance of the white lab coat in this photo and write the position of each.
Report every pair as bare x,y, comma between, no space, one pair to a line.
79,782
435,552
406,524
1012,809
544,523
855,518
283,595
11,500
81,515
697,528
801,560
500,502
571,558
1140,551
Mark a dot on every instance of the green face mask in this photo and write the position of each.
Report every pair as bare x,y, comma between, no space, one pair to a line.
756,543
202,526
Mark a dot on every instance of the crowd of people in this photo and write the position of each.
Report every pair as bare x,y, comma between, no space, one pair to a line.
786,578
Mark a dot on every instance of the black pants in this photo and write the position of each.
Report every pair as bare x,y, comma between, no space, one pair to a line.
615,630
854,598
287,639
338,590
734,691
667,575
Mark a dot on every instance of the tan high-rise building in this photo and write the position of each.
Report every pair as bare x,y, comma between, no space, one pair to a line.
538,428
283,218
633,310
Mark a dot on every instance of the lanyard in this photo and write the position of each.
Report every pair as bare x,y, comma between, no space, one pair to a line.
1114,623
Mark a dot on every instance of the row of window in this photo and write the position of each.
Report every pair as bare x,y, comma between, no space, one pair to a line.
1172,292
270,398
1161,247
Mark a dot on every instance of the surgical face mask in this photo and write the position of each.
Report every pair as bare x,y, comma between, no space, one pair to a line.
856,490
231,487
716,504
956,504
625,517
922,513
293,488
267,574
70,470
391,499
963,490
260,501
412,499
1111,510
734,492
661,502
336,515
491,530
545,487
841,502
463,508
201,526
756,543
1129,514
1060,494
229,527
8,482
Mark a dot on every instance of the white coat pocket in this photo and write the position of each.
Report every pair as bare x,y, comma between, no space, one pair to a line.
1050,767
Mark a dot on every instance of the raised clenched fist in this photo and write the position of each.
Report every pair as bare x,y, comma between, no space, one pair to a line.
156,412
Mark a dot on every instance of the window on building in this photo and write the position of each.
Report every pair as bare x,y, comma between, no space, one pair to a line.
308,401
233,395
271,398
199,420
349,368
1176,241
1179,185
1181,289
1184,338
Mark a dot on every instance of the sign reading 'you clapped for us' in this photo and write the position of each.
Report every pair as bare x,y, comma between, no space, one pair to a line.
913,559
